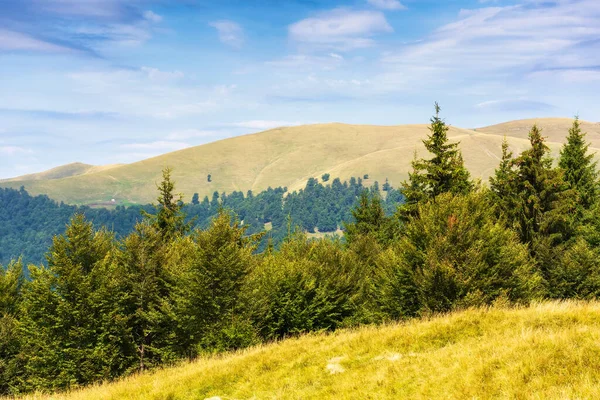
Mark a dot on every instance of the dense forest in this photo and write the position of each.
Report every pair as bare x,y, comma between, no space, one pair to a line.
28,223
108,306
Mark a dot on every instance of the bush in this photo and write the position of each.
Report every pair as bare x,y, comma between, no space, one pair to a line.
307,286
454,253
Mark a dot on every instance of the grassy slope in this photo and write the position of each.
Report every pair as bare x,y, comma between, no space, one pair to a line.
547,351
289,156
64,171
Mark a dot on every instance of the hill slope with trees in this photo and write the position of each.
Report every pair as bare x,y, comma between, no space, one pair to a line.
288,157
106,307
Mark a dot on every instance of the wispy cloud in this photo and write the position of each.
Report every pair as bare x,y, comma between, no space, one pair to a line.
14,150
387,4
186,134
341,29
230,33
11,40
160,145
152,16
263,124
514,105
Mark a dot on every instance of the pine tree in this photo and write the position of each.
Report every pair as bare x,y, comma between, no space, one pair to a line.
443,173
545,199
502,183
169,219
544,208
579,168
68,314
11,282
369,217
211,268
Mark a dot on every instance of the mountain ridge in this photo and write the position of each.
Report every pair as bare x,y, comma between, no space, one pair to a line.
289,156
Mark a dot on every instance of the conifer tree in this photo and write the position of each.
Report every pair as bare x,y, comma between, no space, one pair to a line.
369,217
578,165
545,200
502,183
544,207
70,339
169,219
443,173
11,281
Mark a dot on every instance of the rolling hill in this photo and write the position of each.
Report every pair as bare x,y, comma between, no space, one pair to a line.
546,351
288,156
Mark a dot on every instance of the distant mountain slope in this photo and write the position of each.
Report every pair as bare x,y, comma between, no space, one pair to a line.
64,171
289,156
546,351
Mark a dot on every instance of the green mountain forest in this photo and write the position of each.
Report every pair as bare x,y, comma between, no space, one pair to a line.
121,293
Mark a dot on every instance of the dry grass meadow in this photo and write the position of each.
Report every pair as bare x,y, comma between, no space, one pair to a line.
545,351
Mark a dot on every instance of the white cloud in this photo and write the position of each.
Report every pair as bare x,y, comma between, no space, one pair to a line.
340,29
152,16
160,145
387,4
10,40
308,62
230,33
14,150
90,8
500,43
147,92
156,74
262,124
512,105
193,133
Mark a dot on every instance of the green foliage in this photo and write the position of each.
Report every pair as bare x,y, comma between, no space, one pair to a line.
307,286
454,253
579,168
11,281
208,273
370,220
325,177
109,305
443,173
67,313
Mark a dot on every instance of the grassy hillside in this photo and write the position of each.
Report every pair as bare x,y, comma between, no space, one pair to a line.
547,351
64,171
289,156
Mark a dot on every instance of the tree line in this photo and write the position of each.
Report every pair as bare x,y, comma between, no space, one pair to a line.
28,223
105,307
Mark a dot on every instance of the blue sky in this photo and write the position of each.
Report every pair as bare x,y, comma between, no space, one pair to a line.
115,81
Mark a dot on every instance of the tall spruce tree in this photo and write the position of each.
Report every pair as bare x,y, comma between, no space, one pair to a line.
169,220
579,166
67,313
502,188
443,173
544,207
545,201
11,282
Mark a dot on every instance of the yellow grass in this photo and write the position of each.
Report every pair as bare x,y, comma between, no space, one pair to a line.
547,351
289,156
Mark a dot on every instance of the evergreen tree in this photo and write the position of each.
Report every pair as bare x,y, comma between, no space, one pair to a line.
11,281
545,201
544,207
210,268
579,166
443,173
502,184
169,219
69,315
